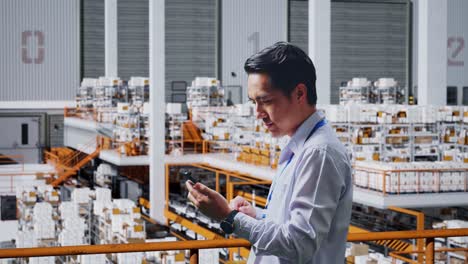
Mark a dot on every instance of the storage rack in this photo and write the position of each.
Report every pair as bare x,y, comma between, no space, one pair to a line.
205,91
127,130
362,91
144,131
425,142
396,144
366,139
358,90
84,98
138,91
389,92
175,133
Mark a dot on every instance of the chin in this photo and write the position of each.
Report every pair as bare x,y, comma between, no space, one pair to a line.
276,133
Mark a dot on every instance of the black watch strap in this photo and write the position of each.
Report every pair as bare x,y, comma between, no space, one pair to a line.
231,215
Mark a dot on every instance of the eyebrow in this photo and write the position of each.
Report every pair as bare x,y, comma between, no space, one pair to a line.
259,97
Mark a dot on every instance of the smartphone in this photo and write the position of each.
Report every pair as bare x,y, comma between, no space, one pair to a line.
188,176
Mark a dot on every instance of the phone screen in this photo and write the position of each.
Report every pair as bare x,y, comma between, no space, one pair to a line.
187,176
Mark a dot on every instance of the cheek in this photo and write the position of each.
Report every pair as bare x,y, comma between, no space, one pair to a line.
281,116
275,115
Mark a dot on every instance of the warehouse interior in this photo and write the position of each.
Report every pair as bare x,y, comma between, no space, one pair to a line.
108,106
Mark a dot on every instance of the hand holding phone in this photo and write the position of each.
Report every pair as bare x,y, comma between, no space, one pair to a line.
208,201
188,176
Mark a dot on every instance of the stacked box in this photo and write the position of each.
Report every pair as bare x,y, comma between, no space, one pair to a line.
92,259
130,258
44,227
68,210
26,239
401,177
42,260
81,195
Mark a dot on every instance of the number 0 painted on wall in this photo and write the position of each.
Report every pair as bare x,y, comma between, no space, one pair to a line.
27,36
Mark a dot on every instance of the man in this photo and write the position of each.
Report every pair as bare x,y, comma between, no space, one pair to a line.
309,204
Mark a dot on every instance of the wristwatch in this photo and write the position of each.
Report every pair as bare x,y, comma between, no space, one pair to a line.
227,225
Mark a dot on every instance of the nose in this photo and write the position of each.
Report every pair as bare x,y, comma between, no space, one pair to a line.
260,111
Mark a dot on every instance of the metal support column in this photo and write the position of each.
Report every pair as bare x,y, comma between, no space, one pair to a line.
320,46
157,111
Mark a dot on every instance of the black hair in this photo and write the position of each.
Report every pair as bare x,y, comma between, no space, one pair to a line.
287,66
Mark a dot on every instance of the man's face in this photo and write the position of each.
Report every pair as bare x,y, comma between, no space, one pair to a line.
274,108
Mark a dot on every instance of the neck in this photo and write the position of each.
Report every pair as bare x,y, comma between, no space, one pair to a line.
302,116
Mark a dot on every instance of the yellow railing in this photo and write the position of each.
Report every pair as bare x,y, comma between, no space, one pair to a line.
428,235
195,246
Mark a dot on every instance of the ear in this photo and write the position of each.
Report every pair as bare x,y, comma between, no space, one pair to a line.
301,93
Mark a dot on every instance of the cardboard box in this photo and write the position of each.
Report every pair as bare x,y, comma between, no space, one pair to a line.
359,249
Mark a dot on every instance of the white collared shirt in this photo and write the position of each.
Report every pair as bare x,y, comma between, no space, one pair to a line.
308,216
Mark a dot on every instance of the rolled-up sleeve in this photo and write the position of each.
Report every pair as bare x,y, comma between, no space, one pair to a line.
318,186
260,213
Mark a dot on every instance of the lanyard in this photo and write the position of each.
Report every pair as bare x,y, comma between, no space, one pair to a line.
320,124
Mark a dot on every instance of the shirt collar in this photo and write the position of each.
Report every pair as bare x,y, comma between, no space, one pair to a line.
296,142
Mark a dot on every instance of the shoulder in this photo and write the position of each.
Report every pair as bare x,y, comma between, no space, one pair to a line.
325,142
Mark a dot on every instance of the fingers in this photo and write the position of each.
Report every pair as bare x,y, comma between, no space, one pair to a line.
239,202
236,202
194,195
244,209
189,185
201,188
248,210
193,200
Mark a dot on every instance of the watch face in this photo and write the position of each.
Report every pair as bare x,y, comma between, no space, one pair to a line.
228,228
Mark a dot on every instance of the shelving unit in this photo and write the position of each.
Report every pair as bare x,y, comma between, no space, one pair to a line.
358,90
205,91
396,144
127,130
366,139
175,133
144,130
362,91
425,142
138,91
389,92
84,98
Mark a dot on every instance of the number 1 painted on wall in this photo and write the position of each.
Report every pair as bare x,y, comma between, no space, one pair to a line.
254,38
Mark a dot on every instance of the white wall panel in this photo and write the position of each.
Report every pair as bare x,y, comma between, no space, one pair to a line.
39,50
432,52
457,44
248,27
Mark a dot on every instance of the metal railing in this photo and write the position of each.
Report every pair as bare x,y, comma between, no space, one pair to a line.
16,167
195,246
428,235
